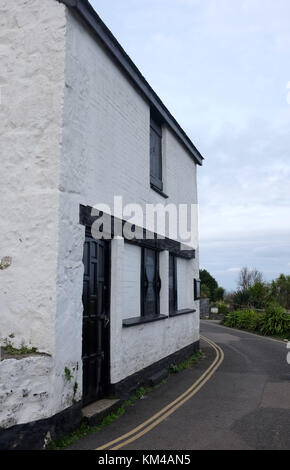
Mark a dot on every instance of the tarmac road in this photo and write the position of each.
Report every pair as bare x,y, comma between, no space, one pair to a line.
244,402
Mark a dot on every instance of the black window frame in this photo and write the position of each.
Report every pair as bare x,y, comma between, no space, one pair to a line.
173,310
157,283
197,289
156,180
172,258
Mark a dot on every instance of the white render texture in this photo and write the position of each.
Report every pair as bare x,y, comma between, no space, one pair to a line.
32,81
32,42
26,391
106,134
137,347
73,131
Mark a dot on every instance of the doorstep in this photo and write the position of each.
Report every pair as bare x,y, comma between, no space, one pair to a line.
95,412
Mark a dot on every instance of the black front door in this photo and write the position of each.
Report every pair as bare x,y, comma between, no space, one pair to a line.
95,319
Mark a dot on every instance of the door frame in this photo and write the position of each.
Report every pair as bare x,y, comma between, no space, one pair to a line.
107,339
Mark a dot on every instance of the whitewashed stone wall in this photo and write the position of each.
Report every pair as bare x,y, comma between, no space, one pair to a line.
32,81
32,42
26,390
73,131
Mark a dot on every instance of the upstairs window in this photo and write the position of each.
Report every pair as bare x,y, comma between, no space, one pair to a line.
156,154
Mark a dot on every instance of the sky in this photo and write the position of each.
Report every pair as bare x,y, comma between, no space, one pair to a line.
222,67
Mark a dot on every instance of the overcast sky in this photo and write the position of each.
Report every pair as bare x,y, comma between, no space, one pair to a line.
222,68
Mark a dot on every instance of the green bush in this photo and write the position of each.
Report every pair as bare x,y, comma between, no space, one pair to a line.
231,319
205,292
219,294
241,298
259,294
223,308
276,321
244,319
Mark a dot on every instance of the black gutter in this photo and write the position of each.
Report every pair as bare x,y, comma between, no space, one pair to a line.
85,10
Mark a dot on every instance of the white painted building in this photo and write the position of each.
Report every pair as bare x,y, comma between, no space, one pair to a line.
79,126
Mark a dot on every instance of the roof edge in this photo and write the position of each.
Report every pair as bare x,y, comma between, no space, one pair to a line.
85,10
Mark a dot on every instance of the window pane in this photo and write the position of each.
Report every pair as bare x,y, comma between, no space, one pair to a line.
197,290
172,284
155,154
150,289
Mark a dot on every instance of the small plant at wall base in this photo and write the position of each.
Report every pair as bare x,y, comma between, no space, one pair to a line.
75,391
11,350
188,363
84,429
68,374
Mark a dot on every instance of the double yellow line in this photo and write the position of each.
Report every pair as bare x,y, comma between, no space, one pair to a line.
156,419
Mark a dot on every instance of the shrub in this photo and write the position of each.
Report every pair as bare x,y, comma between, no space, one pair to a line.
241,298
205,292
248,320
259,294
276,321
244,319
223,308
231,319
219,293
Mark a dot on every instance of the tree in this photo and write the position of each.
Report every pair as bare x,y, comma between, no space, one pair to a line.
241,298
248,277
219,293
208,280
259,294
244,279
280,291
256,276
205,292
